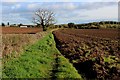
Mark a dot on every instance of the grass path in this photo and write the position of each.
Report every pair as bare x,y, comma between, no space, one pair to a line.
41,60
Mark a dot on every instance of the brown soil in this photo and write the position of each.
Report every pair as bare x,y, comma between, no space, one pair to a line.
93,52
17,30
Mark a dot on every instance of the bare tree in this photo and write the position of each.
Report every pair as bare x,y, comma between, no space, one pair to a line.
44,18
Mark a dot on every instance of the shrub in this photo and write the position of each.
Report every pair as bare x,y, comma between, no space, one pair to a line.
71,25
3,24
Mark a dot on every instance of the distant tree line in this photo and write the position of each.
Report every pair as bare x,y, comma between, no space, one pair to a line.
93,25
98,25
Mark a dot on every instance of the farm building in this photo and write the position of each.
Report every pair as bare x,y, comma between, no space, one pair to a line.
25,26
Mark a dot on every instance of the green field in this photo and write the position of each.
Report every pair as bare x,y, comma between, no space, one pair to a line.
41,60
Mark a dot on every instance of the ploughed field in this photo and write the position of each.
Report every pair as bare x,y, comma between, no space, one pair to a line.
18,30
93,52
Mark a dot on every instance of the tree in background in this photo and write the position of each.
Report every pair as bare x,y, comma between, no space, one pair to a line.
20,24
44,18
71,25
3,24
8,23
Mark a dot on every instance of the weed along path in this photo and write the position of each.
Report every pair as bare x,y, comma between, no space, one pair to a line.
41,60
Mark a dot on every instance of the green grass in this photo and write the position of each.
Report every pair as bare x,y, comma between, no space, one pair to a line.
38,60
109,59
66,70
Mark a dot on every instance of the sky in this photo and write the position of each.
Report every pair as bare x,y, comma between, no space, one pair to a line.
76,11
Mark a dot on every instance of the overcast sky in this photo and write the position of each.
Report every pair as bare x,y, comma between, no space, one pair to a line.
79,11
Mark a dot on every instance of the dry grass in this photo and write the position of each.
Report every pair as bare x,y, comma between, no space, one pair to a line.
13,44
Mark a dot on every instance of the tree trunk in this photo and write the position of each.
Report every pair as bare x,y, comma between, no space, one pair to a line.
44,28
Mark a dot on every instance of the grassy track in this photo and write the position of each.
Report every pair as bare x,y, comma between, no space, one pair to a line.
41,60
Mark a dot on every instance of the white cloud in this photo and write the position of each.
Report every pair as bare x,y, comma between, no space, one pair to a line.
108,13
70,6
31,6
16,6
109,0
34,6
14,0
60,0
65,12
86,15
15,18
63,5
